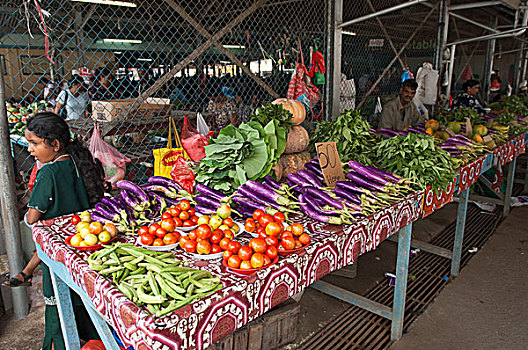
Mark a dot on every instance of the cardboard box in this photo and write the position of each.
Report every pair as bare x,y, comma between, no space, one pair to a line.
105,111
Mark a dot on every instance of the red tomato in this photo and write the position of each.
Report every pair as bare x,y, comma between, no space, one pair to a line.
203,247
272,241
194,219
279,217
188,223
261,232
75,219
234,246
245,252
177,235
228,222
271,252
297,229
234,261
168,224
249,225
166,215
160,233
174,212
226,254
257,260
184,205
191,211
229,234
267,260
216,236
224,243
258,245
184,215
147,239
265,219
170,239
257,214
158,242
286,234
142,230
183,239
190,246
304,239
153,228
192,235
274,228
288,243
245,265
203,231
215,248
178,222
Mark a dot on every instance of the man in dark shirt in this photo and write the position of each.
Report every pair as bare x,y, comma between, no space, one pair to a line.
401,112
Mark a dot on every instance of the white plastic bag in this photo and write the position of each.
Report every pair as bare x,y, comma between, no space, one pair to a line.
201,125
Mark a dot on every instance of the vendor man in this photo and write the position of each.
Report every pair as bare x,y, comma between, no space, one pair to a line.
401,112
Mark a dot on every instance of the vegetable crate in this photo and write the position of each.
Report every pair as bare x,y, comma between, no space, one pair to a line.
274,329
105,111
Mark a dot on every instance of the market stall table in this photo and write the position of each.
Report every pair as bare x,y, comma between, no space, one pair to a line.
243,298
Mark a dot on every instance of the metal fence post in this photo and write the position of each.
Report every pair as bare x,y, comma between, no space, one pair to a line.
337,43
485,83
9,208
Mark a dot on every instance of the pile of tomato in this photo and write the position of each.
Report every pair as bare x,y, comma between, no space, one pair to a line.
206,240
164,232
259,252
265,225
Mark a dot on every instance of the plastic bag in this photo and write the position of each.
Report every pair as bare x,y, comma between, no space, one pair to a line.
183,175
114,163
201,125
192,141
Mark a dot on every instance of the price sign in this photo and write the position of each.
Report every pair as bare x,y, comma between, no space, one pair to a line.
330,162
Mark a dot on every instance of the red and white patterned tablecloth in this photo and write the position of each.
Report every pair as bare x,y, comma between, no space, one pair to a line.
243,298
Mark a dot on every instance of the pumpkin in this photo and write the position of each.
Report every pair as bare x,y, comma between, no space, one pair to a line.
292,163
295,107
297,140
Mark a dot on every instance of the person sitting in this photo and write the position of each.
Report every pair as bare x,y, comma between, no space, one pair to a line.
401,112
223,108
467,98
74,99
102,88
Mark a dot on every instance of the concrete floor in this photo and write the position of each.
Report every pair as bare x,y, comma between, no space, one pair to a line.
484,308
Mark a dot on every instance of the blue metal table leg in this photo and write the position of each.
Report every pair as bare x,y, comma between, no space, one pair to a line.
400,288
509,187
66,315
459,232
102,327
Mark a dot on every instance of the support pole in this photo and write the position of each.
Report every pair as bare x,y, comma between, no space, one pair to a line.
336,52
509,187
66,315
9,209
450,70
459,232
400,288
518,76
443,30
489,63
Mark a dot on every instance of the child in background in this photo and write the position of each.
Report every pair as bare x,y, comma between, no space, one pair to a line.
70,180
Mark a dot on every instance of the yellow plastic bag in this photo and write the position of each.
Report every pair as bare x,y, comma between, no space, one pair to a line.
165,158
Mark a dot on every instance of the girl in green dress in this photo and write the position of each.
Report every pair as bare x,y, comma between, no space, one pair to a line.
70,181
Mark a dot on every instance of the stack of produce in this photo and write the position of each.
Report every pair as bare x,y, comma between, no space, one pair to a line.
89,232
154,279
17,115
139,205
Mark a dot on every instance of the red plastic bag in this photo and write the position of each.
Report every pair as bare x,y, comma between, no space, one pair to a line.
114,163
183,175
300,87
192,141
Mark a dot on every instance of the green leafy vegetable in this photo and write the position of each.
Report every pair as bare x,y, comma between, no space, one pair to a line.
270,112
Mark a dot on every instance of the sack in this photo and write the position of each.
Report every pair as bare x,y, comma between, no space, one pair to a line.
114,163
183,175
165,158
193,142
300,87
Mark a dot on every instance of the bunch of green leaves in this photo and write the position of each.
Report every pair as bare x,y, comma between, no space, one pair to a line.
506,118
416,157
240,154
513,104
351,133
515,130
459,115
270,112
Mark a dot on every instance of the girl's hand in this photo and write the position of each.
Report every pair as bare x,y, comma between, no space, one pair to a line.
32,216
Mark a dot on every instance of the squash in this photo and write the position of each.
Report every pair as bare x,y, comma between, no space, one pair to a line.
295,107
297,141
292,163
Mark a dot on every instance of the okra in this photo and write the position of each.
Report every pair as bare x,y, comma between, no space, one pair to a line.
130,266
153,284
175,287
167,288
110,270
148,299
209,288
139,271
190,290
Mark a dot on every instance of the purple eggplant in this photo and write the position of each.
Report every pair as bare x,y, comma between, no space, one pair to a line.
163,181
210,192
299,180
157,200
392,177
315,205
107,212
317,175
272,182
167,192
208,201
314,167
364,182
96,216
335,220
246,202
349,196
133,201
362,170
246,192
269,194
204,210
308,176
318,193
112,204
134,189
350,187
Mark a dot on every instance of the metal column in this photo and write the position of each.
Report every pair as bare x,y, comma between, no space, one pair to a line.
459,232
443,30
518,76
333,52
509,187
489,64
9,209
450,70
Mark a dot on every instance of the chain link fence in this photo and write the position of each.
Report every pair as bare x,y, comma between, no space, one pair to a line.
160,58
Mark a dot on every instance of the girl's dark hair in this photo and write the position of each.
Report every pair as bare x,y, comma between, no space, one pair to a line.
51,127
469,84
